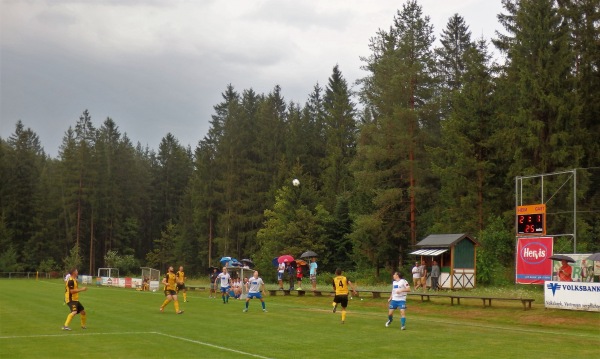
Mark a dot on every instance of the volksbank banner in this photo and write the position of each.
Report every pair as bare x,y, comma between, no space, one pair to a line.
572,295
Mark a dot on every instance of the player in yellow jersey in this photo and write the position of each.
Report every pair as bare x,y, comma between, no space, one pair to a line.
170,283
72,299
340,286
180,275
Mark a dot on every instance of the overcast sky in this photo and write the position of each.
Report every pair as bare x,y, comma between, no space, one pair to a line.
159,66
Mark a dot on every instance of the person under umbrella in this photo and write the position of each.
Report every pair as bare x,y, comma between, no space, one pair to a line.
565,271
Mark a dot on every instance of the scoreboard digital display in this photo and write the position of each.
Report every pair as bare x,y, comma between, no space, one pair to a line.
531,220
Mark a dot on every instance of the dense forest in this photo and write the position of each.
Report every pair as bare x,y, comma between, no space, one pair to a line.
431,142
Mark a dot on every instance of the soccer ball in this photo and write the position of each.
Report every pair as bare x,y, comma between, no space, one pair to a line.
296,182
154,290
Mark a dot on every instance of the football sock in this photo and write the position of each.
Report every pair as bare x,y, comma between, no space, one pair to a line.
165,303
176,305
247,304
83,319
69,318
184,296
343,315
263,305
403,321
390,318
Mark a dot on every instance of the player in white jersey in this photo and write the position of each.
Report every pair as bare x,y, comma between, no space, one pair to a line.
254,286
397,299
225,282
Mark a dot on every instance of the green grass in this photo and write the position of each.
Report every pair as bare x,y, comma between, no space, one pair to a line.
123,323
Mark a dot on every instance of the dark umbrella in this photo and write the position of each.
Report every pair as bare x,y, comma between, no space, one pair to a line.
274,262
308,254
594,257
211,268
561,257
247,262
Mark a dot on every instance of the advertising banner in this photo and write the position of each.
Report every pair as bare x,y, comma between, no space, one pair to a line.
533,265
572,295
582,269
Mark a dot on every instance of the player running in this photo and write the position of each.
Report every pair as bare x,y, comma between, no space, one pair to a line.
169,281
340,286
397,300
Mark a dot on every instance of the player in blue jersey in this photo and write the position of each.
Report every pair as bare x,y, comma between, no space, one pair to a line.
225,283
254,287
397,299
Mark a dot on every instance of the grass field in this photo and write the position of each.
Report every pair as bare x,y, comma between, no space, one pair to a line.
124,323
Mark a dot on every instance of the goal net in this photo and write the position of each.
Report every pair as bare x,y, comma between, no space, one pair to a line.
150,273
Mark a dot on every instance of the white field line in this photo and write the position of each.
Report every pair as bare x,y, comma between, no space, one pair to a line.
214,346
138,333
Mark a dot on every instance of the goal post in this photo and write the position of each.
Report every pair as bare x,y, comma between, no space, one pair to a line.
150,278
150,273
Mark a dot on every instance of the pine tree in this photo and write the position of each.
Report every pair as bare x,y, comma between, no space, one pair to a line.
340,139
400,94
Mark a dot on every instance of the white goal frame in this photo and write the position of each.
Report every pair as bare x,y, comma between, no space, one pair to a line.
150,273
108,272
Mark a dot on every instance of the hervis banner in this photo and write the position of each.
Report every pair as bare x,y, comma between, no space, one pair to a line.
533,265
572,295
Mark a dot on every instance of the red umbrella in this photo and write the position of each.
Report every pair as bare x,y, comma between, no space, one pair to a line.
285,258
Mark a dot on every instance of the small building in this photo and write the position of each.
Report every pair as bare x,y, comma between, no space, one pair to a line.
456,256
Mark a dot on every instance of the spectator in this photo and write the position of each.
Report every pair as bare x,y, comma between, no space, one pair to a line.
564,272
291,275
299,275
313,273
416,274
587,271
213,283
423,274
435,276
280,271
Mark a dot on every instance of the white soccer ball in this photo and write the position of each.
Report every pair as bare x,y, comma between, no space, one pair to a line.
154,290
296,182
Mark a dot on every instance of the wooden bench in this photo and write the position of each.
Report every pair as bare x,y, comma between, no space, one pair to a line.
429,295
374,293
487,301
195,287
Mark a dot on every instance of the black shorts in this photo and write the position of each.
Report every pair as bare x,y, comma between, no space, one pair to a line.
170,292
75,306
341,299
180,287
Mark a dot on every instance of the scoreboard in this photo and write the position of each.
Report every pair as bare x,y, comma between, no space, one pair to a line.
531,220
